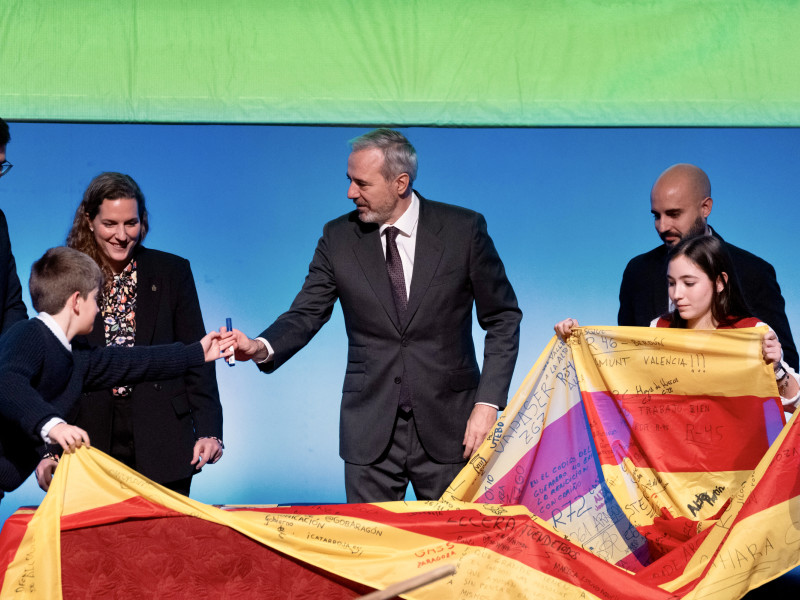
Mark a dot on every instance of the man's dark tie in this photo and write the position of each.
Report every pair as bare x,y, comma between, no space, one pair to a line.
395,269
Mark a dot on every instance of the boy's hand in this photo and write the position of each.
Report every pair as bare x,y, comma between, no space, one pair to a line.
69,437
213,342
44,472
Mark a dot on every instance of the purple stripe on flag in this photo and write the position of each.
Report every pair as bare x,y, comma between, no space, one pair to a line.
774,420
636,559
552,474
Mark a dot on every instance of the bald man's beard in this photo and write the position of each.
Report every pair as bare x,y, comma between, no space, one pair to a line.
697,228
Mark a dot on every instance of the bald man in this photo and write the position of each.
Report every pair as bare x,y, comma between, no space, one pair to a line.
681,202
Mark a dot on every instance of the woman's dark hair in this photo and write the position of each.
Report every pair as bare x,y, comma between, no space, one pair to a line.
708,253
106,186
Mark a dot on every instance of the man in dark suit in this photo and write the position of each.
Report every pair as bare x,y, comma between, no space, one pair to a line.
407,271
13,308
681,202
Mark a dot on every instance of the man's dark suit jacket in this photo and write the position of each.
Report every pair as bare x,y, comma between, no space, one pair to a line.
13,309
168,416
455,264
643,293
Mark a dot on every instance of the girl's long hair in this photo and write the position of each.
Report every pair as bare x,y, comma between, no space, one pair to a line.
708,253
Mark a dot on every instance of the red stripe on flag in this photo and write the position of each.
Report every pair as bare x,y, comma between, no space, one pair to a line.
672,433
780,481
671,565
11,536
133,508
517,537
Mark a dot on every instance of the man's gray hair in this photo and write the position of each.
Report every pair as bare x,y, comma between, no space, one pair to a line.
398,153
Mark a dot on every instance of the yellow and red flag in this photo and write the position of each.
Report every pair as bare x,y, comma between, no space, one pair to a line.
632,463
661,451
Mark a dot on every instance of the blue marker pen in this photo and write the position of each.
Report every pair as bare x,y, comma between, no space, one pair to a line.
230,360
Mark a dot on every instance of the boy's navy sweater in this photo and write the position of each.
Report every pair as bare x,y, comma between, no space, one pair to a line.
41,379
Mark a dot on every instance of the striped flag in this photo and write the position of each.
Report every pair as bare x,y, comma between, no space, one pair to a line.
632,463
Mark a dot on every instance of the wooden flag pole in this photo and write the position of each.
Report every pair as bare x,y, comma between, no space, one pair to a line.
411,584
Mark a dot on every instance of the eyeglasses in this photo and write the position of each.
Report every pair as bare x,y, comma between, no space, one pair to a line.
5,167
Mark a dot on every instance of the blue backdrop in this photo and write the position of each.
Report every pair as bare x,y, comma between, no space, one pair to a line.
567,209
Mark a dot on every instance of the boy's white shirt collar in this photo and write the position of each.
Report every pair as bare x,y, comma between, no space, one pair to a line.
53,326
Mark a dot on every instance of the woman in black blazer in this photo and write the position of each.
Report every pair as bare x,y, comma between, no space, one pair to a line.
165,430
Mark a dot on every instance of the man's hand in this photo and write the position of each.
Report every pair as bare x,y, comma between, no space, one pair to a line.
206,450
44,472
69,437
246,349
480,421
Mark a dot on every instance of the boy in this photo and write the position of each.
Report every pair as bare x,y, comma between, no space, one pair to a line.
42,376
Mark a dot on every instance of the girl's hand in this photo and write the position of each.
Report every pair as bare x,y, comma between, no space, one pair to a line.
564,328
771,349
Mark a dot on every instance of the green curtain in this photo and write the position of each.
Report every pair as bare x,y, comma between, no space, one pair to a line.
403,62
